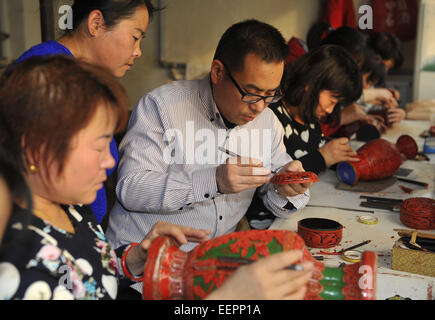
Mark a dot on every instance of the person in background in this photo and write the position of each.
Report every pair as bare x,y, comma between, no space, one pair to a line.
55,248
157,182
389,47
315,86
107,33
374,75
356,44
13,188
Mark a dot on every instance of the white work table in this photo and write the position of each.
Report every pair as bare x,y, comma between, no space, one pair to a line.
323,193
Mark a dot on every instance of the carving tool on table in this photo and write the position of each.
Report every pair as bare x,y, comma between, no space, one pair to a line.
380,199
340,208
356,246
418,183
381,205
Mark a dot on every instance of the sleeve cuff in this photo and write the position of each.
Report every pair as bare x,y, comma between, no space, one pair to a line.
204,184
290,203
276,198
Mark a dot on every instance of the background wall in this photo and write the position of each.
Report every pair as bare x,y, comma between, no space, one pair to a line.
202,21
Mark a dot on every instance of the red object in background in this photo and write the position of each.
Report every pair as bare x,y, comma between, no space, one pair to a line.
398,17
418,213
432,131
340,13
328,129
407,146
379,159
297,48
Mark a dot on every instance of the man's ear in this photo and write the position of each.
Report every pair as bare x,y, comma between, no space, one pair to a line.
217,71
95,22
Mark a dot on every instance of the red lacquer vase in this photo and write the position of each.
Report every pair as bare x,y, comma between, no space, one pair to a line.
379,159
171,273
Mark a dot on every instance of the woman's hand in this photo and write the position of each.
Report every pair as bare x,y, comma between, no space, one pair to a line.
338,150
395,115
395,93
381,96
378,122
137,255
267,278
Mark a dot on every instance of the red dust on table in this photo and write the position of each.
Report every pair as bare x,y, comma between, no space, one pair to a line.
405,189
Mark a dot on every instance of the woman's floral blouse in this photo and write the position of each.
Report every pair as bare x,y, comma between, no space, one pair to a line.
40,261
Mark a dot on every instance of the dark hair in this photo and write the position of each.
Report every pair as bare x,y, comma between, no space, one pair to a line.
45,101
350,39
250,36
329,68
15,182
113,10
374,66
388,46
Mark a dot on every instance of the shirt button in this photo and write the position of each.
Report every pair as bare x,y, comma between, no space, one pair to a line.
206,195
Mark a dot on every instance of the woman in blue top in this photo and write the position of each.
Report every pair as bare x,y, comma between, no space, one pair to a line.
107,33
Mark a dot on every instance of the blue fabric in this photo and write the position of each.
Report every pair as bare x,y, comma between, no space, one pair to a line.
99,206
44,49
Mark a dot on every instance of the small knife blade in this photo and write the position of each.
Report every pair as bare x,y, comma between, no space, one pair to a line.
380,205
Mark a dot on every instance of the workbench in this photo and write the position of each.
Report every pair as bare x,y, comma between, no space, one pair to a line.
326,199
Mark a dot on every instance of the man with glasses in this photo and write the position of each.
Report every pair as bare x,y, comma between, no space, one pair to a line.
171,168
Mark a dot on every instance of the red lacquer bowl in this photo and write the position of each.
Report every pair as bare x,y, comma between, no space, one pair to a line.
320,232
418,213
294,177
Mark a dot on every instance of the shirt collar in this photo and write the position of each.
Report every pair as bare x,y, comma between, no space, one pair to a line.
207,100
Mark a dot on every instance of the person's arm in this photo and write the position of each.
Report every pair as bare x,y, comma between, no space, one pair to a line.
338,150
380,96
283,200
352,113
137,255
148,181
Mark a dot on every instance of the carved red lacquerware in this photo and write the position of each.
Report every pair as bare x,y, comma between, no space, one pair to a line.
294,177
418,213
379,159
407,146
171,273
320,233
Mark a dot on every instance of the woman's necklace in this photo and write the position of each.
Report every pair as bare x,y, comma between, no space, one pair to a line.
61,220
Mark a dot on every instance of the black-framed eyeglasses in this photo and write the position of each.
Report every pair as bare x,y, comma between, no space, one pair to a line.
250,97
